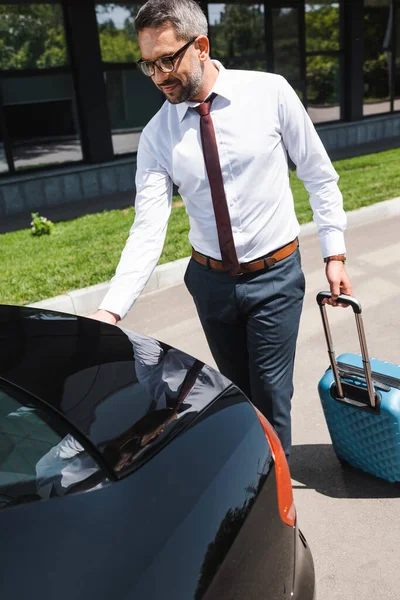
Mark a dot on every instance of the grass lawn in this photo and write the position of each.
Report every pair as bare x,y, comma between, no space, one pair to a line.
363,181
85,251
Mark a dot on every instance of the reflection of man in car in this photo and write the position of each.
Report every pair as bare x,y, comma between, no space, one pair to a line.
129,446
175,382
177,385
65,465
162,370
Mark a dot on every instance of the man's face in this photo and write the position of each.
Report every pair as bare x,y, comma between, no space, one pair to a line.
185,81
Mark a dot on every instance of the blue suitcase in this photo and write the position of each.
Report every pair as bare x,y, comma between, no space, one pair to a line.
361,402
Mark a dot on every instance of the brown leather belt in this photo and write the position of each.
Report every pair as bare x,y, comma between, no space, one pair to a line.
255,265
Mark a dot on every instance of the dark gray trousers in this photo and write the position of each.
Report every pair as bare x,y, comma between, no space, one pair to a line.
251,323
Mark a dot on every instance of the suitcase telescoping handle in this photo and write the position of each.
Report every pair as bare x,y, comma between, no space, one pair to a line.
356,306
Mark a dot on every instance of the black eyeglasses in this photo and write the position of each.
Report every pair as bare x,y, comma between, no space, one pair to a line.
165,64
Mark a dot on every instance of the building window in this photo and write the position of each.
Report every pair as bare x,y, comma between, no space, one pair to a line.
38,101
41,119
236,33
378,24
322,24
286,43
3,161
132,98
3,158
397,59
32,36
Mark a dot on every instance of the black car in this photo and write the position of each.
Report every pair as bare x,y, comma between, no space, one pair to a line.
191,494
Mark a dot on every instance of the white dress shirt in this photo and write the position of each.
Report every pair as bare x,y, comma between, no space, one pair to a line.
258,120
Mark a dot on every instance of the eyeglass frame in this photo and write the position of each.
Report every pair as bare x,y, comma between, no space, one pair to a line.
172,58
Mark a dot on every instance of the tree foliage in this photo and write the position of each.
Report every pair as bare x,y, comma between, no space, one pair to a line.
322,34
118,45
322,28
238,40
109,7
286,42
31,36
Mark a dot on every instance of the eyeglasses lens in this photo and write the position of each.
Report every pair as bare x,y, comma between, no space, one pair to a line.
164,64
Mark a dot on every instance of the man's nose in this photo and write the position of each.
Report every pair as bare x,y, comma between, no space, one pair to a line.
159,76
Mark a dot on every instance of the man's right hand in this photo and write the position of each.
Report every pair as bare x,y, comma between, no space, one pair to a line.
105,316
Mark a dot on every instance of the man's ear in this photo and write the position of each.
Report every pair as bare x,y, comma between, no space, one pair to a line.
202,44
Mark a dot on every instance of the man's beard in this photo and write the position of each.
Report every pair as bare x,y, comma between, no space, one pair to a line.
190,89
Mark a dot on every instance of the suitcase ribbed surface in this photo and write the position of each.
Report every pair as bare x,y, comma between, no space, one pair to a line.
370,442
366,441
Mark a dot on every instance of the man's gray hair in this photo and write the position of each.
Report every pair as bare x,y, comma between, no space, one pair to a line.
185,16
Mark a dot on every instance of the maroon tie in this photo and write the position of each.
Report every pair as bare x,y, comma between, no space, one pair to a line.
213,167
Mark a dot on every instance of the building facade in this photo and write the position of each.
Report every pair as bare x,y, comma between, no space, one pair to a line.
73,103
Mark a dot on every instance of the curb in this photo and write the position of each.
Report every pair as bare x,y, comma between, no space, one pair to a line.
86,300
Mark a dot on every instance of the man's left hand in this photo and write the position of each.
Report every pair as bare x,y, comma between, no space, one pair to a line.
338,280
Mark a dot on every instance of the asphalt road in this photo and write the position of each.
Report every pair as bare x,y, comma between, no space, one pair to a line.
351,519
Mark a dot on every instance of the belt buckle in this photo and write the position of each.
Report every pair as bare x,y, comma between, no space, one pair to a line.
240,272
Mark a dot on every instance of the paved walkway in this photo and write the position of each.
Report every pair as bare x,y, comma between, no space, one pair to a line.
62,150
351,520
324,114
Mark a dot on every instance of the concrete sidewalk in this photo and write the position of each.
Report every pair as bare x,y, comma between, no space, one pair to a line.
85,301
351,520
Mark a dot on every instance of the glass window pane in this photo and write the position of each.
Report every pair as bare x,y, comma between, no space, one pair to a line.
323,88
397,68
117,35
42,120
32,36
322,25
37,460
397,84
133,99
237,35
397,29
377,57
3,159
286,42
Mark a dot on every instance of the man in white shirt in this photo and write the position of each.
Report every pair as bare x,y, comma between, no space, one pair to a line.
245,273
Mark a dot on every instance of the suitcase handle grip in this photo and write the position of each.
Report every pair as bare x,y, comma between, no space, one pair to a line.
343,299
355,304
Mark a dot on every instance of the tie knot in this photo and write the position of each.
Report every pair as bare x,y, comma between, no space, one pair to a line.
204,108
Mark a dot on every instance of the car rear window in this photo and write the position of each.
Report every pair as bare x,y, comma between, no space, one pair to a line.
39,459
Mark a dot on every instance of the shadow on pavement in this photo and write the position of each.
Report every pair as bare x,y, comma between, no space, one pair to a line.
315,466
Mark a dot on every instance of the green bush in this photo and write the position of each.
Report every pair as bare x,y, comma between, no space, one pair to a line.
41,225
376,78
322,80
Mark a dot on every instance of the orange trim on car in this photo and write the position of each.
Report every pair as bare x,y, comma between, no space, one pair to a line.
286,505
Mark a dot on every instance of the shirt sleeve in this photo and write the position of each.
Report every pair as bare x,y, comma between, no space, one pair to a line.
147,234
314,168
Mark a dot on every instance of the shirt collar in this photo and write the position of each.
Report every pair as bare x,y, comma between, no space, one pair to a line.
221,88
